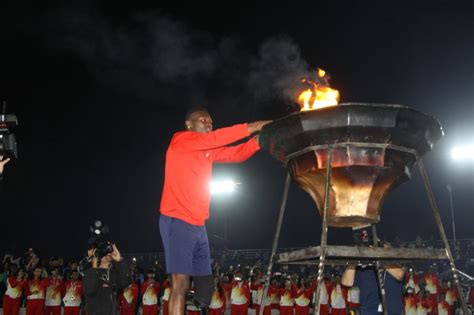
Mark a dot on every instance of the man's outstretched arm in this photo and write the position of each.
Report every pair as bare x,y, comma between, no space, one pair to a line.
236,154
194,141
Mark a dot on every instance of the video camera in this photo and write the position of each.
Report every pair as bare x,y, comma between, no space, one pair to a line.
8,147
100,240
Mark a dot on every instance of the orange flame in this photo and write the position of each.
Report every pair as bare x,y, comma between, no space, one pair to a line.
319,96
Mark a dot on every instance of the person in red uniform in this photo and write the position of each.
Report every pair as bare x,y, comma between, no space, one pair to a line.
150,291
411,280
303,297
35,291
338,298
227,285
53,293
185,199
12,297
432,285
287,297
217,306
443,306
425,304
129,299
324,295
410,301
166,295
259,286
72,294
452,295
240,296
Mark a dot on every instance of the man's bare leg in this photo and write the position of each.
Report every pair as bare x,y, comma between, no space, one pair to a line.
179,289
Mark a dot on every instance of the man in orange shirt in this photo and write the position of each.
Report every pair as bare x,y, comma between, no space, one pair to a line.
185,199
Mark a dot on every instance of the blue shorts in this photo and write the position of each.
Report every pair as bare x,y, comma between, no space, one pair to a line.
186,247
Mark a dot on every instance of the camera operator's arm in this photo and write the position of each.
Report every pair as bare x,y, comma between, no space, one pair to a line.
2,164
123,276
396,271
348,276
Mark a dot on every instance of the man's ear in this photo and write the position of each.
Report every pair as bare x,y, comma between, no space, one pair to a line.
188,124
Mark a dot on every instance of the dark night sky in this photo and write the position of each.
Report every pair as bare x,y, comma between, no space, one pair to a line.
99,92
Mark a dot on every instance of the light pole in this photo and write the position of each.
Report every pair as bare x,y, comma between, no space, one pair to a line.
450,191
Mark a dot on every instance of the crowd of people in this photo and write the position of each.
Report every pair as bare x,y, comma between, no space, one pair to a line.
53,287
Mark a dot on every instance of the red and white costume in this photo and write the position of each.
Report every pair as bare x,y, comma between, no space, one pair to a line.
338,300
129,299
52,301
324,298
302,300
444,308
150,292
12,297
432,286
257,298
287,300
217,306
411,281
239,298
72,297
353,298
35,291
410,306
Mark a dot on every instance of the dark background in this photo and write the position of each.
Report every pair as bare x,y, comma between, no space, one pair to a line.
99,90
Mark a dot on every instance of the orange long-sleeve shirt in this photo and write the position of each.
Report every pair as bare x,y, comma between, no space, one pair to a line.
188,169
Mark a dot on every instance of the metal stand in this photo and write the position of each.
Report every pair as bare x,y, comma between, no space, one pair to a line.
275,242
442,233
319,255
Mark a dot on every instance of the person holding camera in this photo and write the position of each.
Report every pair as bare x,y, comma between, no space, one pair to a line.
108,274
365,278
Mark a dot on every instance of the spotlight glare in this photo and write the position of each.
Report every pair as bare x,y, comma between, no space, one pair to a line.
223,187
463,153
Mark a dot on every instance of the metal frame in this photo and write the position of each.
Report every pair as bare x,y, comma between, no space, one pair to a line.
309,256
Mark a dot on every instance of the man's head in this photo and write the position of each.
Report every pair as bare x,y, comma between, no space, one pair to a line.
198,119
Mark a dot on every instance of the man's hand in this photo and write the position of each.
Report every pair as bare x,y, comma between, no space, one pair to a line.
116,254
258,125
2,163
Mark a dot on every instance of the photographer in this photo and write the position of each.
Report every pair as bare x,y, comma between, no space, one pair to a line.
108,275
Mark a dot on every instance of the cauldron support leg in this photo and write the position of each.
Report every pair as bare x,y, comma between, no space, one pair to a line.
324,232
275,242
442,232
380,273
